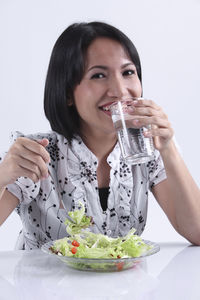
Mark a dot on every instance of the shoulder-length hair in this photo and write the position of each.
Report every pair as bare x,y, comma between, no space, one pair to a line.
66,70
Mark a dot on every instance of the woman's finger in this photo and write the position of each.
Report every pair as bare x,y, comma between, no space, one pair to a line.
35,147
144,111
43,142
31,167
146,121
32,158
29,174
147,103
161,132
16,167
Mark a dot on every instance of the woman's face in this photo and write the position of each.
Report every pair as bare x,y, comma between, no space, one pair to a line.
109,75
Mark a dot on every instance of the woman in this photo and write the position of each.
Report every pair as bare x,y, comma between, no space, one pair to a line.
46,175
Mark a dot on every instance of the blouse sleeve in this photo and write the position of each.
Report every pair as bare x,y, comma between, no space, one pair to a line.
156,167
24,189
156,170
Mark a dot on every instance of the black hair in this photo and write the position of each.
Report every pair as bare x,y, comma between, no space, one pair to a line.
66,70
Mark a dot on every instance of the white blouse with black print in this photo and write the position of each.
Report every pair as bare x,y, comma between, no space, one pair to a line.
73,178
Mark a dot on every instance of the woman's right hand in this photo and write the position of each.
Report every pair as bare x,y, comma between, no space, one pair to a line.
25,158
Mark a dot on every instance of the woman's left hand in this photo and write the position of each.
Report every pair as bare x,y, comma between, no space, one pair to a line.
146,112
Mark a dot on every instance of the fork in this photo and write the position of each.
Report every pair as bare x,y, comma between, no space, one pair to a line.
60,200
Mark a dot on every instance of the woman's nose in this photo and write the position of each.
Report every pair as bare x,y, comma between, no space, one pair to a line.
117,88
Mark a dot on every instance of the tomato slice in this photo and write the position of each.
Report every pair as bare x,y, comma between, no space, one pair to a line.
74,250
75,243
120,266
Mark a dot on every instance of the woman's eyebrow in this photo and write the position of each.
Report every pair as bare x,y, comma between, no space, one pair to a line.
128,64
105,68
97,67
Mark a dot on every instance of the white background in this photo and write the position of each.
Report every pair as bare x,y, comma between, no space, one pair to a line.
166,34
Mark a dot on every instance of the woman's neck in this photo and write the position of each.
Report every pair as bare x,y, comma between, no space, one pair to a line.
101,146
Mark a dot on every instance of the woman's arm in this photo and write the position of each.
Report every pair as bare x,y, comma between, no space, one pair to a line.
179,196
25,158
8,202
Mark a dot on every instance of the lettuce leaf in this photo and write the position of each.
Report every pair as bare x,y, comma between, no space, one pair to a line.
92,245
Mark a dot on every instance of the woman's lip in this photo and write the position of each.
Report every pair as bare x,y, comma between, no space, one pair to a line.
107,104
107,112
128,98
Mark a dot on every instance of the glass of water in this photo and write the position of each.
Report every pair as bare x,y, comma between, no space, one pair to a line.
135,148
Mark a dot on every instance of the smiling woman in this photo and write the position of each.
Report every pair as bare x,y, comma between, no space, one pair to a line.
110,74
92,66
78,50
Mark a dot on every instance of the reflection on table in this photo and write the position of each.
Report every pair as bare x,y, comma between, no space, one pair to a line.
36,275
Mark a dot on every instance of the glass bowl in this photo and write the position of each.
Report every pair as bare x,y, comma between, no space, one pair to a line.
105,265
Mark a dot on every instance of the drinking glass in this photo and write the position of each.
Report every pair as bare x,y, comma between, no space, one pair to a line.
135,147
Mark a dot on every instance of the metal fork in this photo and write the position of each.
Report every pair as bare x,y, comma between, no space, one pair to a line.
60,200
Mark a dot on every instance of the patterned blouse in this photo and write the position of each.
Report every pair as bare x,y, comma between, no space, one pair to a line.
73,178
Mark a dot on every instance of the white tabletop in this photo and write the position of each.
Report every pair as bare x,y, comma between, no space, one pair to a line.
172,273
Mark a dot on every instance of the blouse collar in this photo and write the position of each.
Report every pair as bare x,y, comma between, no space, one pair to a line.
83,153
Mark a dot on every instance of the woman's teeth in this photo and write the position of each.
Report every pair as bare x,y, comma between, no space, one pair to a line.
106,108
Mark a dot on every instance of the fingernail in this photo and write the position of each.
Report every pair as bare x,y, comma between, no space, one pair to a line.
147,134
135,101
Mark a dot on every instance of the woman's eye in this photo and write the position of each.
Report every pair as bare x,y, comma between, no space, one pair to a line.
129,72
98,76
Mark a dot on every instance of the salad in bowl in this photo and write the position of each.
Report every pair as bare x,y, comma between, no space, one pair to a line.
85,250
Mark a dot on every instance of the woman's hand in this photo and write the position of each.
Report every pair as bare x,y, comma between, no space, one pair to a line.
146,112
26,158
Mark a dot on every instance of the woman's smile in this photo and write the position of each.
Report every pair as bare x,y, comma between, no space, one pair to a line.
106,108
109,75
